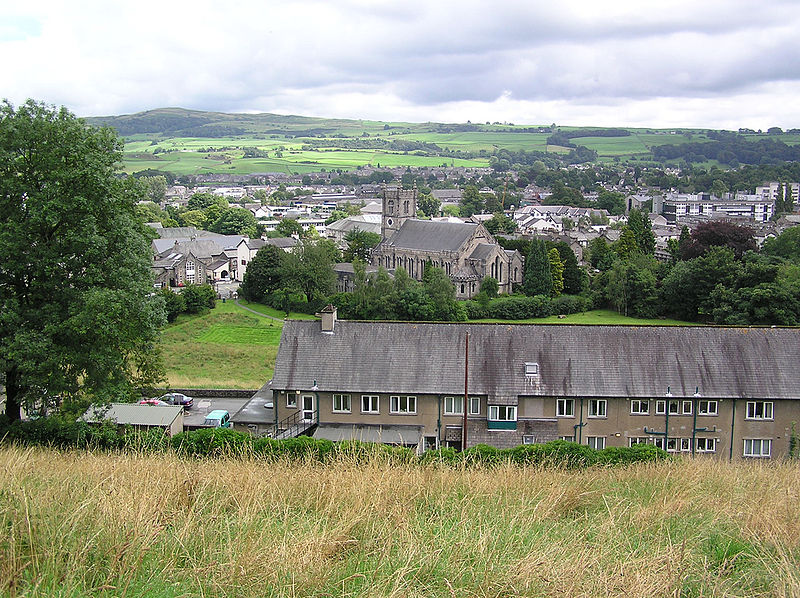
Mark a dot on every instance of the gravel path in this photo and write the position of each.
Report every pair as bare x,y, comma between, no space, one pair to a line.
258,313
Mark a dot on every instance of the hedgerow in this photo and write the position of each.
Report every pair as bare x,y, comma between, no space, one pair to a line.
224,442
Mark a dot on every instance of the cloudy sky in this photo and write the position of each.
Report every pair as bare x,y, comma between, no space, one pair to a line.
702,63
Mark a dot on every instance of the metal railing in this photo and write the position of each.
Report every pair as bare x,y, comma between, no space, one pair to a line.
294,425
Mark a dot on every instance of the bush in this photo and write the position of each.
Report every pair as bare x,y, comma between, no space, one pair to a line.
519,307
213,442
225,442
60,433
569,304
199,298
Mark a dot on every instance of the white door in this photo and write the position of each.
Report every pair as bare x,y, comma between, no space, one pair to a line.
308,407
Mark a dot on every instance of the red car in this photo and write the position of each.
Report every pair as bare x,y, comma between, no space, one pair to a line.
152,402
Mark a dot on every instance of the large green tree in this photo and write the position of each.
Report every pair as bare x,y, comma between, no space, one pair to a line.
537,278
77,315
360,244
263,275
235,221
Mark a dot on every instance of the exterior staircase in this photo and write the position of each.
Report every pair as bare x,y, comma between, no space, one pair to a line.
294,425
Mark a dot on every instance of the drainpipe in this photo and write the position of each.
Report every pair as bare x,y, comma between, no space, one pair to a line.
694,418
733,419
439,419
666,420
579,425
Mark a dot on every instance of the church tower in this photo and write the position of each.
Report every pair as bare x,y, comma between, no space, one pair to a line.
398,206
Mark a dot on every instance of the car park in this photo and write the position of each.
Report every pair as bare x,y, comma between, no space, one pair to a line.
177,398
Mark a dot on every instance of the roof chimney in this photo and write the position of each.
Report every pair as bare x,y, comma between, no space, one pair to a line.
328,315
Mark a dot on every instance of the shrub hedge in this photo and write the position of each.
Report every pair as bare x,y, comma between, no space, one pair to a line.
223,442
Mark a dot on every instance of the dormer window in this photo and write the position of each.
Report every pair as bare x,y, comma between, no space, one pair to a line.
531,368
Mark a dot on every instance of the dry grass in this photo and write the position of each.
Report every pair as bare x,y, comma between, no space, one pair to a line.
78,524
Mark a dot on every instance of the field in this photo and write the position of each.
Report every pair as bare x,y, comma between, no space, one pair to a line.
78,524
171,140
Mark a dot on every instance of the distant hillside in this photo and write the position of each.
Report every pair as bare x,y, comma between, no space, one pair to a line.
179,122
186,142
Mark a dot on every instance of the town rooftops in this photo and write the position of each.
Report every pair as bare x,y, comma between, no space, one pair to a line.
570,361
427,235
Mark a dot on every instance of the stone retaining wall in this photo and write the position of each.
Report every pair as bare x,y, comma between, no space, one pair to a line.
226,393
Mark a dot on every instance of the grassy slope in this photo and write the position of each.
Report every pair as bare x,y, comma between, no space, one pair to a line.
80,524
225,348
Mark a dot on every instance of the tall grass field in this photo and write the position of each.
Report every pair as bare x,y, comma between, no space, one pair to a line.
90,524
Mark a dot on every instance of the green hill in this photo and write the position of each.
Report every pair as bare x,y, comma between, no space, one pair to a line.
185,142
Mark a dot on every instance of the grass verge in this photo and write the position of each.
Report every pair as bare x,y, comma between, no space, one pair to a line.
91,524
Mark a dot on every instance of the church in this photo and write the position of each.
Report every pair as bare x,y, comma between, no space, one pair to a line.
466,251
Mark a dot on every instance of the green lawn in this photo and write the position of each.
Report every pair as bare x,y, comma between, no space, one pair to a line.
605,317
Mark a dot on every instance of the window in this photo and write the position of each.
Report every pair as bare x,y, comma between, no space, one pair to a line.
503,412
686,445
474,406
341,403
190,267
291,401
565,408
705,445
672,445
430,443
659,442
454,406
759,410
707,408
633,440
402,404
757,447
597,407
567,438
370,404
676,407
526,439
596,442
639,407
531,369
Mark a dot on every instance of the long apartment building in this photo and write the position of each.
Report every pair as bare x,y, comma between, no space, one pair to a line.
679,207
731,393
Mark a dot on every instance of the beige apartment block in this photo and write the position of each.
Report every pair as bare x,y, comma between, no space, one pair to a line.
727,393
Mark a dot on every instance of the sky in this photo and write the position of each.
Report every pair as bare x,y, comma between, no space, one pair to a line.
696,63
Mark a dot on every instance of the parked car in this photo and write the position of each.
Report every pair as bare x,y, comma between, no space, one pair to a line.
219,418
177,398
153,402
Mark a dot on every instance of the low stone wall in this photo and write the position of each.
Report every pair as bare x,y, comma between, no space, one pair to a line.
223,393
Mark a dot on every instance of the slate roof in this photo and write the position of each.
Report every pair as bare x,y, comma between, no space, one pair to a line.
427,235
282,242
482,251
574,361
386,434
